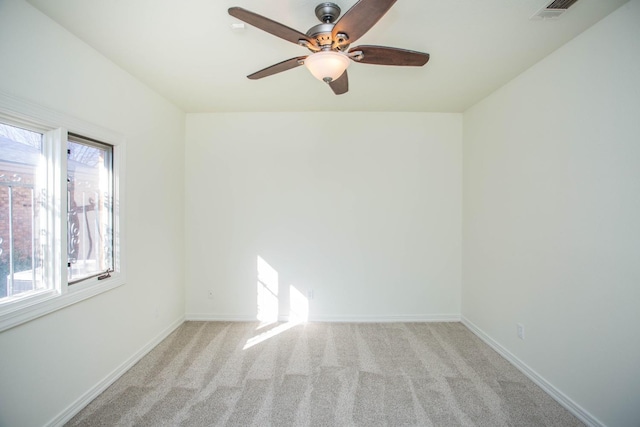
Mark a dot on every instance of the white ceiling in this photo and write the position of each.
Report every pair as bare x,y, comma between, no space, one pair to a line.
187,51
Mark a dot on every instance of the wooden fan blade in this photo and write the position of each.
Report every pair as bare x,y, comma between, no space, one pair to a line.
361,17
341,84
381,55
268,25
277,68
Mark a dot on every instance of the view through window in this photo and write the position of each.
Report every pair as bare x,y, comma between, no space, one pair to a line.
89,208
21,246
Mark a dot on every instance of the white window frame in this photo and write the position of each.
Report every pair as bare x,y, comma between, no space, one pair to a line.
55,126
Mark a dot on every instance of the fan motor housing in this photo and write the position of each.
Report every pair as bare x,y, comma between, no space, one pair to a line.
327,13
322,34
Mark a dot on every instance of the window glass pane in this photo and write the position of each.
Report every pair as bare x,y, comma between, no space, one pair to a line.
21,236
90,210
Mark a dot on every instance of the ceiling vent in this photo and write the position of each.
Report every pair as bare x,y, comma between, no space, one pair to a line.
554,9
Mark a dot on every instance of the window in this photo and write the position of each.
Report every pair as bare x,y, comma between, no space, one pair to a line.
89,209
60,211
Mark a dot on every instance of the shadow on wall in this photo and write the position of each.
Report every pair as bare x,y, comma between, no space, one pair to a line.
268,302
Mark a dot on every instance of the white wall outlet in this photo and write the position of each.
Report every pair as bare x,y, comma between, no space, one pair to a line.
210,294
520,330
310,294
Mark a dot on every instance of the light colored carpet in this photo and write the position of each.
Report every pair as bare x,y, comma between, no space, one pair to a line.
323,374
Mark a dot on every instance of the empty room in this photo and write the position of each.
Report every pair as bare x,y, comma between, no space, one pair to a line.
349,213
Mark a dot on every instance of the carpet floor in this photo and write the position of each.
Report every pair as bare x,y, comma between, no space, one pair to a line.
323,374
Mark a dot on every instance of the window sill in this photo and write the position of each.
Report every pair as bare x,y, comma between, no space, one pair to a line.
32,307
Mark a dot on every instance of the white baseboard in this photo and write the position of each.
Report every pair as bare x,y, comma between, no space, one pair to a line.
422,318
207,317
337,319
92,393
549,388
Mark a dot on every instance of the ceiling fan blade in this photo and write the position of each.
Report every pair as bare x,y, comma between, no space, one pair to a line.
277,68
341,84
381,55
361,17
268,25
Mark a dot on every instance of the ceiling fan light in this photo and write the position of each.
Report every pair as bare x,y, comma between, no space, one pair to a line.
327,65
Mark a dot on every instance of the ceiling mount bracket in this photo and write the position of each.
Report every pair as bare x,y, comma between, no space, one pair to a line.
327,12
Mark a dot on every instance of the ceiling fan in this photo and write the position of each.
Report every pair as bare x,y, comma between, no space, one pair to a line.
329,42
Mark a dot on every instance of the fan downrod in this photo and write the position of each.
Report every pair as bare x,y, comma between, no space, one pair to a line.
327,12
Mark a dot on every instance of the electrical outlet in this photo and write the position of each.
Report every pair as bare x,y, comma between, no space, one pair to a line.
310,294
520,329
210,294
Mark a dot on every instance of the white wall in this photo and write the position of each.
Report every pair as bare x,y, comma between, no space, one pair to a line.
368,216
362,208
50,362
552,218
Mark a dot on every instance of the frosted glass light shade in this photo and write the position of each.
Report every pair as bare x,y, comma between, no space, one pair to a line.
327,65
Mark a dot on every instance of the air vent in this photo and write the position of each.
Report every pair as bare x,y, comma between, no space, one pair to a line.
561,4
554,9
